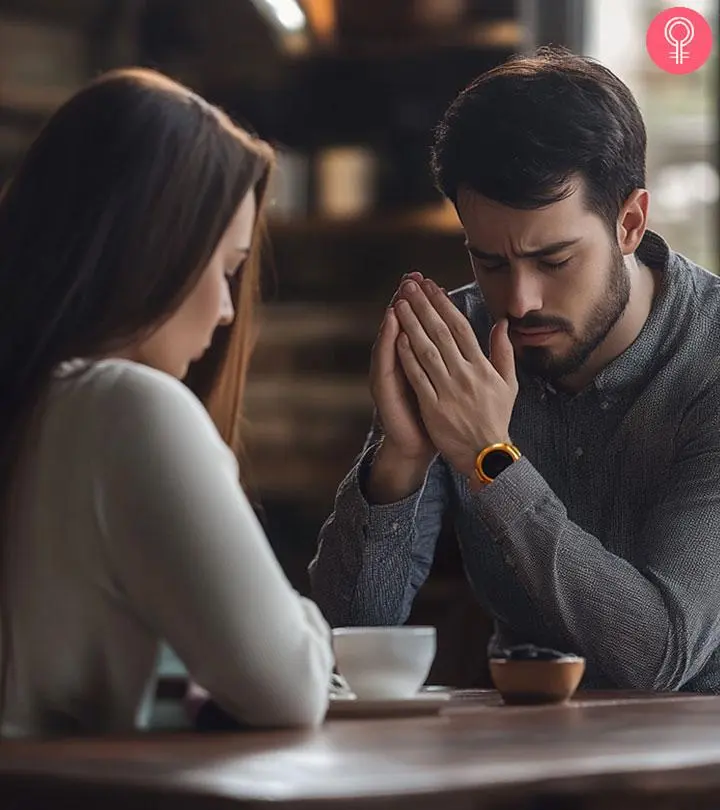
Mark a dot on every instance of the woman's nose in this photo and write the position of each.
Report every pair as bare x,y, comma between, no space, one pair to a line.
227,310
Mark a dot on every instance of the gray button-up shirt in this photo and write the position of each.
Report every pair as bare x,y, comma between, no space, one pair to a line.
604,539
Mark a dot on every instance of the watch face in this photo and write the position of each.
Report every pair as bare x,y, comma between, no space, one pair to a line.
495,462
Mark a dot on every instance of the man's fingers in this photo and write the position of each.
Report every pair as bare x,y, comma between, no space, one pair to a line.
413,276
425,349
384,349
443,323
502,355
458,324
414,372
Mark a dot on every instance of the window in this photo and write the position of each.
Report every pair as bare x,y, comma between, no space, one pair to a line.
681,116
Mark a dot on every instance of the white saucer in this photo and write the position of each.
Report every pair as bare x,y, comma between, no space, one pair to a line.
422,703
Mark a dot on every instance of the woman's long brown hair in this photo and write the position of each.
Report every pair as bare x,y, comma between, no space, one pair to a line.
105,228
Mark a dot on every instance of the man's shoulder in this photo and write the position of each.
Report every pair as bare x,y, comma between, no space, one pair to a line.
690,284
696,305
685,318
705,287
692,347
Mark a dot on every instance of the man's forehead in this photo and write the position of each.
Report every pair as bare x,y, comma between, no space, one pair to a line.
489,224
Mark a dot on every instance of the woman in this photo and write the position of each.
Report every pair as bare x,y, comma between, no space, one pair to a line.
128,237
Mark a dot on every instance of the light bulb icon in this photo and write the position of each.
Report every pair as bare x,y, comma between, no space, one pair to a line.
679,32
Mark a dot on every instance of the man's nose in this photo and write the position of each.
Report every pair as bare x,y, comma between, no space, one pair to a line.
524,293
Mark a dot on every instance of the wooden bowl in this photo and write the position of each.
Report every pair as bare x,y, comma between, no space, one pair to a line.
533,682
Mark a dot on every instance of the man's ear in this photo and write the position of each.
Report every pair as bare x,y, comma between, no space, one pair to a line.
632,221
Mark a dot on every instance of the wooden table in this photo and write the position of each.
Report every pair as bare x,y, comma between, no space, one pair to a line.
602,750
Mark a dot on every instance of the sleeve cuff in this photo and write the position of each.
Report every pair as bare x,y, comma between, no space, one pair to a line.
516,491
382,522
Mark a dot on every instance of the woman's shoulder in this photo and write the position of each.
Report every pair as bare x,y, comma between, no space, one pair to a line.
122,392
125,380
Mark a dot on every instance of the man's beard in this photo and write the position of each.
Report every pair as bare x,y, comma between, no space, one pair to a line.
541,362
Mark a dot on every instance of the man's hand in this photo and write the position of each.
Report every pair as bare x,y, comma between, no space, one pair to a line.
394,399
465,399
401,462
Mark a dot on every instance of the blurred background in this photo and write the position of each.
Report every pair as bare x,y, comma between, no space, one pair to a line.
348,91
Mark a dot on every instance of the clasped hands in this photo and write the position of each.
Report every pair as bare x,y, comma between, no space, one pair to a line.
433,387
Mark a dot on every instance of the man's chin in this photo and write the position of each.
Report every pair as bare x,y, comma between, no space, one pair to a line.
539,361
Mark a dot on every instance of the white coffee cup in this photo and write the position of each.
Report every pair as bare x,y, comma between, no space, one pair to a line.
384,662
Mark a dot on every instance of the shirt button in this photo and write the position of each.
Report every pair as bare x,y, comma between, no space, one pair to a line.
578,452
604,405
394,527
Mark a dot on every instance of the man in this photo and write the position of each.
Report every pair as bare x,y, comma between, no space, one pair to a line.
565,406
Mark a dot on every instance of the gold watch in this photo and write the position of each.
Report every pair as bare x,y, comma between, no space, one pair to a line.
494,459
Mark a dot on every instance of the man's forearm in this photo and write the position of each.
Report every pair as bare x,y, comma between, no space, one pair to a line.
644,632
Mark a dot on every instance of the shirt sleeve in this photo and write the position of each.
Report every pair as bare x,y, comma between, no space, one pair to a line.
372,559
648,624
194,563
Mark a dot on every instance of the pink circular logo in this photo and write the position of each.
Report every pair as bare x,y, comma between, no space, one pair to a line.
679,40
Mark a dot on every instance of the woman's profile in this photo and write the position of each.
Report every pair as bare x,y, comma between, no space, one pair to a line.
128,279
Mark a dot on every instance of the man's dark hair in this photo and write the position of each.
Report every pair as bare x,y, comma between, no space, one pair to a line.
520,132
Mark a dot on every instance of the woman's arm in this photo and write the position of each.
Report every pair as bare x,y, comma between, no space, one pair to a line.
194,563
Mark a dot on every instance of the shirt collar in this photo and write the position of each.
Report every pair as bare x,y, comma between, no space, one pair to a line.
663,327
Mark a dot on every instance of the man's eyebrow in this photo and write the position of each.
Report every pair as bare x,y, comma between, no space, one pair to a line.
547,250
